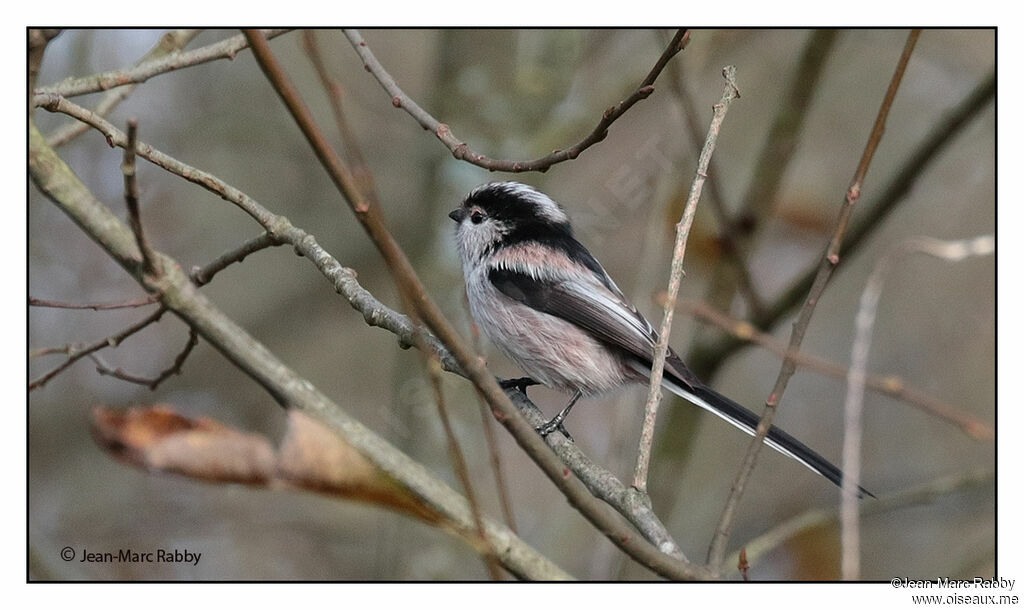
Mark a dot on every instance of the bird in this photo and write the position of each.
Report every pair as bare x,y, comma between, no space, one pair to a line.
546,303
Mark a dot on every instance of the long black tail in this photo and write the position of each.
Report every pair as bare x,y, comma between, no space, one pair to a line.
746,420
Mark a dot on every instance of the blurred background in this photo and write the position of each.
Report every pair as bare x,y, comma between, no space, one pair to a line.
808,103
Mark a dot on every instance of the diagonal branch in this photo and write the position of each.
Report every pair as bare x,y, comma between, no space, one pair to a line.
431,363
716,552
460,150
131,198
675,278
335,92
491,436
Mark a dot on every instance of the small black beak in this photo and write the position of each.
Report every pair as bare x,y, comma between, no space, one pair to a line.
457,214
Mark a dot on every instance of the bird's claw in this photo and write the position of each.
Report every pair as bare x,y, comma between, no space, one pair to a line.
555,424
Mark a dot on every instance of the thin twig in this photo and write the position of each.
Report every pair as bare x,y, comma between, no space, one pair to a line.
150,382
170,43
225,49
76,352
362,174
780,143
849,516
889,385
716,552
131,198
728,234
34,302
460,150
433,366
675,278
336,93
408,281
203,275
200,275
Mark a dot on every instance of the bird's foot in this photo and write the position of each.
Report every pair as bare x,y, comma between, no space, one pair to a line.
553,425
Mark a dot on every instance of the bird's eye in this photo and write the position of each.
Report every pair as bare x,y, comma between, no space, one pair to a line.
476,216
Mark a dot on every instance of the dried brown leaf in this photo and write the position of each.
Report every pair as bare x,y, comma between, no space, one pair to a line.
158,438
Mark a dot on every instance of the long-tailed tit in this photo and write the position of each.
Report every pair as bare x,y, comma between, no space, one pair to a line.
547,304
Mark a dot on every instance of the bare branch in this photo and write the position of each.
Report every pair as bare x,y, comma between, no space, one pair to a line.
34,302
170,43
336,94
433,366
131,198
76,352
200,275
716,552
204,275
675,277
460,150
225,49
728,233
361,172
150,382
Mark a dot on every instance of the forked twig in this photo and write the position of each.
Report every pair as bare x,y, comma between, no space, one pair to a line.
460,150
